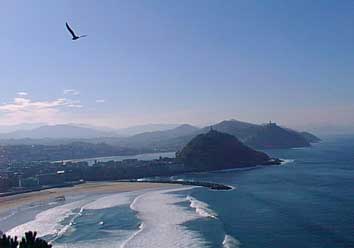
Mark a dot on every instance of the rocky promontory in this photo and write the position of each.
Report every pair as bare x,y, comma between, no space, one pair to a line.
215,151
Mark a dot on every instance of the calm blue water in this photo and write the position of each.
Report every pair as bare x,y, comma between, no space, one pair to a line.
307,202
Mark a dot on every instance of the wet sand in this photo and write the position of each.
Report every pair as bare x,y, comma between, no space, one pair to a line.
13,201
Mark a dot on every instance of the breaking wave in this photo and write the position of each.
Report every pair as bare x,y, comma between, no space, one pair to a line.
230,242
162,220
201,208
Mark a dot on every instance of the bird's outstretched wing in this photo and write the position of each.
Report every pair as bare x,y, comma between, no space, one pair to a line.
83,35
70,30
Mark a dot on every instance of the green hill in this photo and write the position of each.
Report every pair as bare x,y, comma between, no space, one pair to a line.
215,150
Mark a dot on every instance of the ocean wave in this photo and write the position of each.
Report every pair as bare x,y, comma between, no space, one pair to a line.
69,227
231,242
9,215
201,208
50,222
161,216
140,227
47,222
162,220
109,201
95,243
287,161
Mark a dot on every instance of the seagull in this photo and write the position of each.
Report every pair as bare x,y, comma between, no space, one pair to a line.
75,37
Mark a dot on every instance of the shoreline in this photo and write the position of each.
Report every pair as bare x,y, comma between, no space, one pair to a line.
10,199
39,188
17,200
209,185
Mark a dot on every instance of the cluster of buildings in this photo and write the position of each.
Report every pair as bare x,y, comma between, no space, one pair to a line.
22,176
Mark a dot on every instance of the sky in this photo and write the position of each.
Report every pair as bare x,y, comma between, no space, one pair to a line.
185,61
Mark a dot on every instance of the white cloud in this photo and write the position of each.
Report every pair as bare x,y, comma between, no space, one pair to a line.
22,93
100,100
75,105
27,110
71,92
25,104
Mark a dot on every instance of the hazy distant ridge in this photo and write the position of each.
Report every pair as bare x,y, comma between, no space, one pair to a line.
57,132
255,135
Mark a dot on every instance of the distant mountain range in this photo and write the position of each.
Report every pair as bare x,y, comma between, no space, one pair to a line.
75,131
168,139
160,139
57,132
133,130
267,136
22,126
74,150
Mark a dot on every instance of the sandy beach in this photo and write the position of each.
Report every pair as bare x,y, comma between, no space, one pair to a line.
9,202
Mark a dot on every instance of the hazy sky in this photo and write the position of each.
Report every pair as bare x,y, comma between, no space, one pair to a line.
194,61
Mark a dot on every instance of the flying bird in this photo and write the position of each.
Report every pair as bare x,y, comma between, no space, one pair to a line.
75,37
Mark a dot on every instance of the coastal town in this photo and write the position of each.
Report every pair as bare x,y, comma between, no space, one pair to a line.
229,153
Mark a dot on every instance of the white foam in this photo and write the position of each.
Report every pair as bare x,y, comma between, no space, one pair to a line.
48,221
141,227
231,242
201,208
9,215
68,227
114,242
160,214
287,161
162,222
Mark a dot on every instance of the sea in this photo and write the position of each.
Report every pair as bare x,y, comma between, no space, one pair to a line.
308,201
